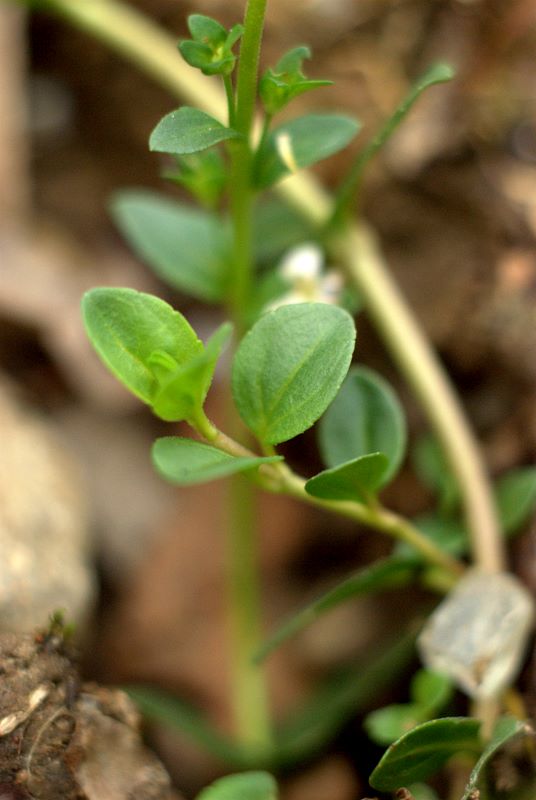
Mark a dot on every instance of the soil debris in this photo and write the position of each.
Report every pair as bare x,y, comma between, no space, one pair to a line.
61,738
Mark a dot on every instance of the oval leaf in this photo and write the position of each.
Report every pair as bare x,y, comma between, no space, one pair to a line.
424,750
355,480
185,462
430,691
127,328
245,786
289,367
386,725
515,495
188,130
301,143
185,247
364,418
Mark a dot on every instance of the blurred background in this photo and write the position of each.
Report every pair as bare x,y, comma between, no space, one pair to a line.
84,522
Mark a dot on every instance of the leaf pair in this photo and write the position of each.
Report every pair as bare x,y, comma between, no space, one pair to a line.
280,85
362,439
284,376
211,47
152,349
286,372
429,693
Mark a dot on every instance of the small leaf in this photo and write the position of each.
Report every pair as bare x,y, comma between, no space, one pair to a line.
188,130
203,174
182,390
211,47
289,367
430,691
278,86
185,247
506,728
185,462
515,495
310,139
206,29
386,725
434,471
388,573
438,73
364,418
355,480
245,786
424,750
127,328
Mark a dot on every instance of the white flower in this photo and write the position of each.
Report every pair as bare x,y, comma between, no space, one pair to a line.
302,269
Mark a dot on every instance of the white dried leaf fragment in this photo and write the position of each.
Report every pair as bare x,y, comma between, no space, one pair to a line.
478,634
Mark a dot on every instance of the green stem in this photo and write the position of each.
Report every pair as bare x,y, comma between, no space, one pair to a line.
250,690
280,479
229,93
248,65
242,161
250,696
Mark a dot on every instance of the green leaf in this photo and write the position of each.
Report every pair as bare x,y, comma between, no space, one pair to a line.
127,328
364,418
388,573
359,479
280,85
185,462
434,471
310,138
385,725
211,48
421,791
430,691
515,495
448,534
203,174
424,750
438,73
349,691
182,389
289,367
246,786
206,29
506,728
187,248
188,130
169,710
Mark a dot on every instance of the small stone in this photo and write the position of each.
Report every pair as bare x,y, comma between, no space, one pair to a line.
478,634
44,532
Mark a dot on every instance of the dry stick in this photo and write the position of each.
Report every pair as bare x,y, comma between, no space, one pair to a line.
150,48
